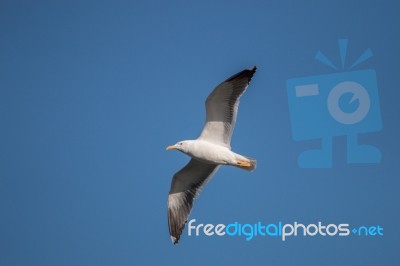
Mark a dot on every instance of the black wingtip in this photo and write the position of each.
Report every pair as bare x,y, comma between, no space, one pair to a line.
252,70
247,73
175,239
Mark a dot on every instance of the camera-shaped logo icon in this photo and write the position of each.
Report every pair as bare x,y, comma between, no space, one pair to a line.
344,103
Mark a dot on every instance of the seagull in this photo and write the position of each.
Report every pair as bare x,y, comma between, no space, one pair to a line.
208,151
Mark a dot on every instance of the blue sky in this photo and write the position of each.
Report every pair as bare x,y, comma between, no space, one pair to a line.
91,93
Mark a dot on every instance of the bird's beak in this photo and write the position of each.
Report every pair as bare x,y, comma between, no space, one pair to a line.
171,147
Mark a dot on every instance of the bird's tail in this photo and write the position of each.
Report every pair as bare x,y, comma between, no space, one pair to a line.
249,164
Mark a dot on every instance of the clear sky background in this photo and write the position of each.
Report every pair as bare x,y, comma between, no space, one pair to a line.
91,93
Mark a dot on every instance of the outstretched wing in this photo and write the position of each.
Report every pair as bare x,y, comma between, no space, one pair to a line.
185,186
222,106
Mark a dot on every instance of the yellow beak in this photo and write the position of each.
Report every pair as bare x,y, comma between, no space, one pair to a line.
171,147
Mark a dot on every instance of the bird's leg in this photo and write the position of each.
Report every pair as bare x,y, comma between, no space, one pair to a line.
243,163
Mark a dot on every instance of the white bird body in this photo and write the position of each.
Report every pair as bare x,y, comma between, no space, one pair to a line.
209,151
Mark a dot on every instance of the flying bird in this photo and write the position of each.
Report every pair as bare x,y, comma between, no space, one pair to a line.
208,151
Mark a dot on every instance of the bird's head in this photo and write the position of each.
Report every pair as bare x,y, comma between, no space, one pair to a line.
180,146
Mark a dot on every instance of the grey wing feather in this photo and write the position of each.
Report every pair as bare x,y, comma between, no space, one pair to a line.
185,186
222,106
